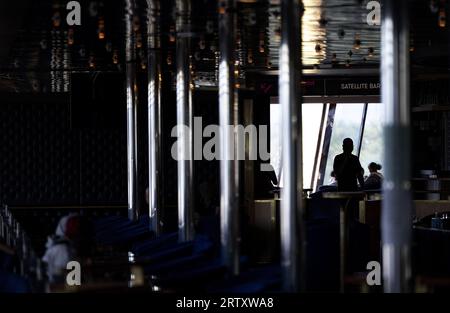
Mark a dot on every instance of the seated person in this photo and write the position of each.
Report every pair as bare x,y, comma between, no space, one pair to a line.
375,178
331,186
62,247
333,181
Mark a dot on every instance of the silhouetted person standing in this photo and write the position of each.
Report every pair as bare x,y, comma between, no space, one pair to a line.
347,168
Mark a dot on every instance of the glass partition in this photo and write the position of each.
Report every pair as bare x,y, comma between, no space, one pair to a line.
347,123
311,121
372,143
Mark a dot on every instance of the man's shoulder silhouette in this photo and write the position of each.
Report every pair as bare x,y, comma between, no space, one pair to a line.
344,160
344,155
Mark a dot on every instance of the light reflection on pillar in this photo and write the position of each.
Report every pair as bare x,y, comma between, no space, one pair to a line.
397,206
229,164
185,125
291,211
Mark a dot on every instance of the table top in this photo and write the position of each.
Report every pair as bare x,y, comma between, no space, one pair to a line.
344,195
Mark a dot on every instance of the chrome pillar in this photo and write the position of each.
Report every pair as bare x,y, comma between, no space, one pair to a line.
185,124
362,128
229,169
319,142
291,214
326,143
154,117
396,219
131,91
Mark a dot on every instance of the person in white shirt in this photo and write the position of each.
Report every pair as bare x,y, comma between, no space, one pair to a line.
61,248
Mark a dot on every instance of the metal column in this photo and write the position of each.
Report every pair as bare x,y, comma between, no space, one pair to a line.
229,169
319,143
291,215
154,117
132,94
362,128
185,124
396,219
326,143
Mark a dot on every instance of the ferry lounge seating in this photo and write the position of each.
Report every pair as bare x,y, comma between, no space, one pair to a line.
195,265
188,266
322,261
163,258
10,282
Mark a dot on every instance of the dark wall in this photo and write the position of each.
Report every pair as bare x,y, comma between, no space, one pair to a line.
430,127
52,153
205,105
45,161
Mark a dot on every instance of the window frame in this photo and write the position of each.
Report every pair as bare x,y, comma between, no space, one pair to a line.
326,129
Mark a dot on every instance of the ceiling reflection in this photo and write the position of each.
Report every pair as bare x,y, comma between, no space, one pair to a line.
41,51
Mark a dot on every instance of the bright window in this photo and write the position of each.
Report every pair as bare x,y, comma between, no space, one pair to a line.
347,123
372,144
275,139
311,120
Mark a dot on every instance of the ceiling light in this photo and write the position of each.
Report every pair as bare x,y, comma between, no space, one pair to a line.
136,24
318,48
70,39
334,58
101,28
115,57
91,61
250,57
172,34
357,42
442,18
138,40
56,19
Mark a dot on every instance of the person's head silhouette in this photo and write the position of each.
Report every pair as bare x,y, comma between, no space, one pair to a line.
347,145
374,167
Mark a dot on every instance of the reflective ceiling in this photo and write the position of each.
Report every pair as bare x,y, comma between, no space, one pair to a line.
39,50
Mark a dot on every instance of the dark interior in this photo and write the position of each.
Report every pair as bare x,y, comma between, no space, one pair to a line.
65,145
